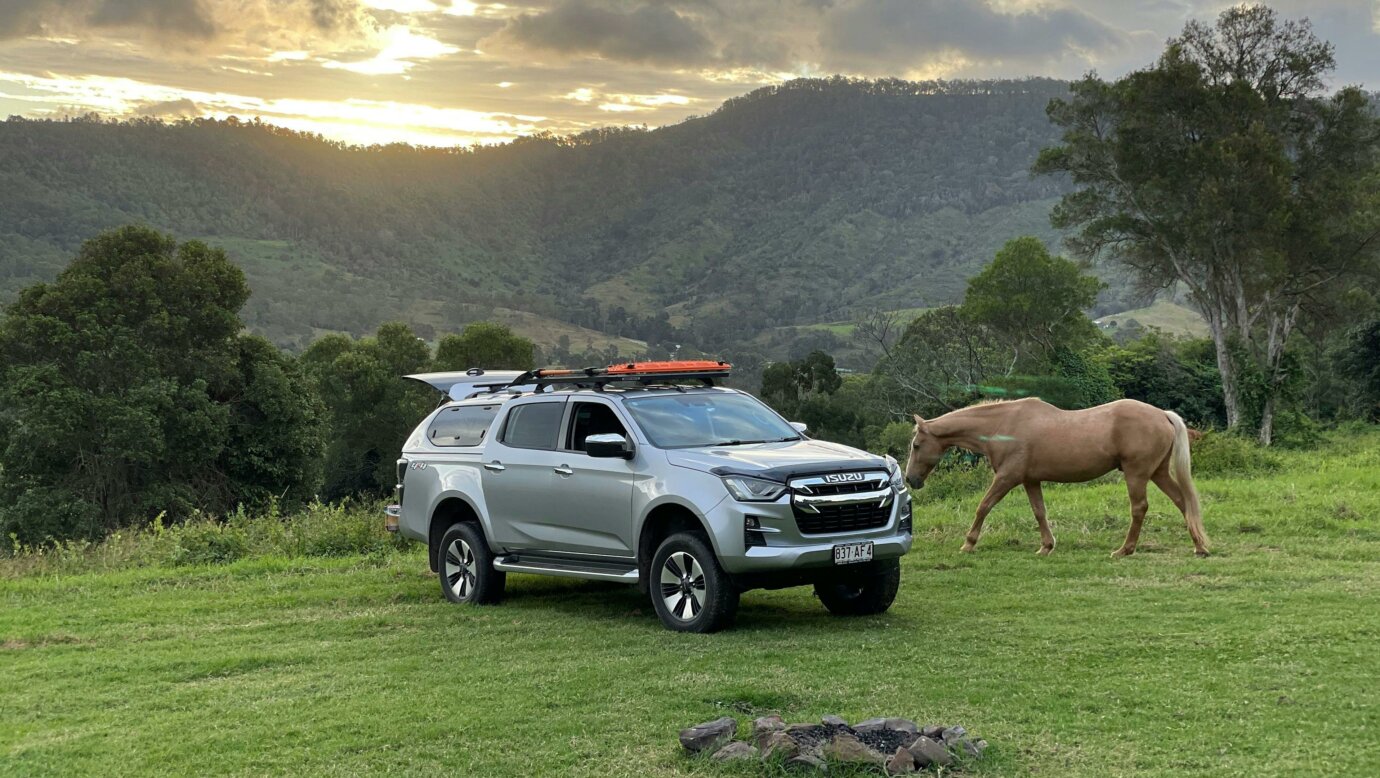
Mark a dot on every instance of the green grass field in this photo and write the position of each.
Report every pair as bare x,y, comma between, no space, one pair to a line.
1261,660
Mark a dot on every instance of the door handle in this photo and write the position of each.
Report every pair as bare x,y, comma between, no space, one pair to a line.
496,466
565,470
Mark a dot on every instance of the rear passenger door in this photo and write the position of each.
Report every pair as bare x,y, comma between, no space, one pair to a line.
519,474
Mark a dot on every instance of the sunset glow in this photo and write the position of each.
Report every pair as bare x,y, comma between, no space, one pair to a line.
460,72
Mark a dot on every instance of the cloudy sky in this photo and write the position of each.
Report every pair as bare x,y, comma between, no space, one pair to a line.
467,71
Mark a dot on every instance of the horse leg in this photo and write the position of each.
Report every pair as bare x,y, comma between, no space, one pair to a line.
1171,489
1037,504
1000,486
1135,487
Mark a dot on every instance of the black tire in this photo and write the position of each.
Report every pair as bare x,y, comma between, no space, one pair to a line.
689,590
863,595
465,567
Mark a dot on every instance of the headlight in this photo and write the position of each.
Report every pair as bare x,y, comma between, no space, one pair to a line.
898,478
746,489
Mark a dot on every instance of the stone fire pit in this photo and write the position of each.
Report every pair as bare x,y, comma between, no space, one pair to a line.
895,746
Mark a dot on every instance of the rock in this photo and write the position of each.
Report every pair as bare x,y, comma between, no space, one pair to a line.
736,751
806,762
846,747
709,736
933,731
778,744
969,748
761,727
900,763
929,752
870,725
903,725
833,721
981,746
954,734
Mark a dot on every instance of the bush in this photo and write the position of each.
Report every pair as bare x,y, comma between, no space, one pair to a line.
318,530
207,542
1221,453
958,474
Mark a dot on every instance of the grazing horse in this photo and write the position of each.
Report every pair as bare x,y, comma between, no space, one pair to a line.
1029,441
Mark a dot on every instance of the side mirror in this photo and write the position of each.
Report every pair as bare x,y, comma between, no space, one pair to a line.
800,427
608,446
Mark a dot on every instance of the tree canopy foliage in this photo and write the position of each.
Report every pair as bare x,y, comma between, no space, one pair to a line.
126,390
1228,169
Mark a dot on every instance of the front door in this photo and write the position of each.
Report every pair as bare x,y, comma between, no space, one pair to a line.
594,494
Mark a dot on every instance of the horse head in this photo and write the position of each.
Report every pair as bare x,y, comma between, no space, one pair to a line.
925,452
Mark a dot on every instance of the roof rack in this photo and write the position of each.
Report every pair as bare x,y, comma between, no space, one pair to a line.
645,373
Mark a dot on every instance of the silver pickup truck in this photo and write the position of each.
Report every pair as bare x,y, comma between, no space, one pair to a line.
696,493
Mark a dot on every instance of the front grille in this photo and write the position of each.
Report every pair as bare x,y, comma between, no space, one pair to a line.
843,518
853,488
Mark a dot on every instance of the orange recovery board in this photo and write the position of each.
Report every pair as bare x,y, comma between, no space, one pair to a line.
678,367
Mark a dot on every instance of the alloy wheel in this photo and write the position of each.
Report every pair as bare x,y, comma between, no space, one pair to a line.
460,569
682,586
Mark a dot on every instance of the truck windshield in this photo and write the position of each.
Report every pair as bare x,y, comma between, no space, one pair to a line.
691,420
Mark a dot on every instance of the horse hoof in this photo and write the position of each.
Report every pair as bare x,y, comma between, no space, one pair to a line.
967,548
1202,554
1121,552
1044,550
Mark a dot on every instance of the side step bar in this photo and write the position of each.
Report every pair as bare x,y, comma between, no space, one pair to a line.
565,569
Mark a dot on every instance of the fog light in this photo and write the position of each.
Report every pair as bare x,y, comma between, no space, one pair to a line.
752,532
905,524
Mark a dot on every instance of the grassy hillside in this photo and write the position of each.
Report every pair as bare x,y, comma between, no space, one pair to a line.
1170,317
1257,661
795,204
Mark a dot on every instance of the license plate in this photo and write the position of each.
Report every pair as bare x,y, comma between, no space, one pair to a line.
852,553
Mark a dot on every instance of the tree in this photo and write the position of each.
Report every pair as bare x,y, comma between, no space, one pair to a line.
125,391
939,363
486,345
787,385
1358,359
369,407
277,426
1225,168
1033,301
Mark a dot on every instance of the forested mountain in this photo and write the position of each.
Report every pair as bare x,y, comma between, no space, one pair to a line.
801,203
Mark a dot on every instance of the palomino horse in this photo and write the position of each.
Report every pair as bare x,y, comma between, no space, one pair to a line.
1029,441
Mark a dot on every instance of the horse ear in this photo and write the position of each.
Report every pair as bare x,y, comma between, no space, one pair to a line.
919,422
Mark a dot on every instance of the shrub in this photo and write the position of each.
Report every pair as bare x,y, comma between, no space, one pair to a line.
1221,453
958,474
208,542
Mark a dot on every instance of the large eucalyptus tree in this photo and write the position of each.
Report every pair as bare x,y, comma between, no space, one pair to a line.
1230,169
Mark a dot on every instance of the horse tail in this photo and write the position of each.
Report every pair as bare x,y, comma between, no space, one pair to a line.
1181,470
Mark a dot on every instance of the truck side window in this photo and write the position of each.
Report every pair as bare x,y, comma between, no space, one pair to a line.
536,425
462,426
591,419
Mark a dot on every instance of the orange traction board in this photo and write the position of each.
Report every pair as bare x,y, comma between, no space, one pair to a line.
681,366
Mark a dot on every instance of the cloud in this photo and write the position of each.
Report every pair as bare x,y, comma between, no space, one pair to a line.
169,109
886,35
188,24
864,37
650,34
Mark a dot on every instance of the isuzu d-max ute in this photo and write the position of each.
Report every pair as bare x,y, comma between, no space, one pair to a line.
647,474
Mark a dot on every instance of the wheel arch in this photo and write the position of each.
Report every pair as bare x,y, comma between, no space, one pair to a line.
451,509
661,522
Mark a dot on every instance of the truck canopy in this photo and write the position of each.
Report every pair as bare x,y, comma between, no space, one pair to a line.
460,384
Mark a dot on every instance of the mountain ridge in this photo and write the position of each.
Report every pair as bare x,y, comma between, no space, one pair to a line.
800,203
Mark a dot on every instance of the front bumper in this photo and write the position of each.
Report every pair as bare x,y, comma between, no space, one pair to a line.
786,548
